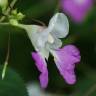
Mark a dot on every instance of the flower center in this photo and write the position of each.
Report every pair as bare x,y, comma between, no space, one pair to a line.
50,39
80,2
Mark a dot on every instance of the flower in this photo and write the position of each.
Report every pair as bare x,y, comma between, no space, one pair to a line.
47,39
77,9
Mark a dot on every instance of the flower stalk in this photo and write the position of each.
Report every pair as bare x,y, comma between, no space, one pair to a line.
7,59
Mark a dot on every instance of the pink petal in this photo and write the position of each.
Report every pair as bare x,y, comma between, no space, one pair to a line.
42,67
65,59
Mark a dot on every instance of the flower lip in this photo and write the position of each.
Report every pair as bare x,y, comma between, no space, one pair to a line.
42,67
65,59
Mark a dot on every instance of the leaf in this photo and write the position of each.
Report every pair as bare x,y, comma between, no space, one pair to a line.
12,84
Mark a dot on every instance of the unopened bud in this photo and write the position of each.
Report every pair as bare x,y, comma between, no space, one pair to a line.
13,22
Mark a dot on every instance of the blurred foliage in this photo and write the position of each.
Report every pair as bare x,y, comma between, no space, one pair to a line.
82,35
12,84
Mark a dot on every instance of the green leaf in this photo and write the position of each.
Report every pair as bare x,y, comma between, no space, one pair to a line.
12,84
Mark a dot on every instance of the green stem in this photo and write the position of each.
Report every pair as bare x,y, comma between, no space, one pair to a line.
4,23
4,70
40,22
6,60
22,26
8,10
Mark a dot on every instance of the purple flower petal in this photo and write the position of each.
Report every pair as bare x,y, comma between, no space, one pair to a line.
65,59
77,9
42,67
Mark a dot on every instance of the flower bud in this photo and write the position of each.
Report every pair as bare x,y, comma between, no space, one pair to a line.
13,22
16,15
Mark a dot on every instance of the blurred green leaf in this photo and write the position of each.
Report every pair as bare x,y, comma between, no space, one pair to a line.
12,84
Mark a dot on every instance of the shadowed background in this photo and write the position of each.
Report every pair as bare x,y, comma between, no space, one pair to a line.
82,35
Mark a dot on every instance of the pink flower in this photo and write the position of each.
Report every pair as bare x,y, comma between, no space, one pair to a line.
77,9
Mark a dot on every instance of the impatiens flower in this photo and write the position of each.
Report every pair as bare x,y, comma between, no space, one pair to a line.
47,39
77,9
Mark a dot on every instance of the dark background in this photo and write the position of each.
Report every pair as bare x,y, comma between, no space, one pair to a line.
82,35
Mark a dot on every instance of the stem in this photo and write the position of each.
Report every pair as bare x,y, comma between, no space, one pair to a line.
4,23
8,10
7,58
40,22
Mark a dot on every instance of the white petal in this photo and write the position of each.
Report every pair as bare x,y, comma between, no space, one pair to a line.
59,25
38,35
45,52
